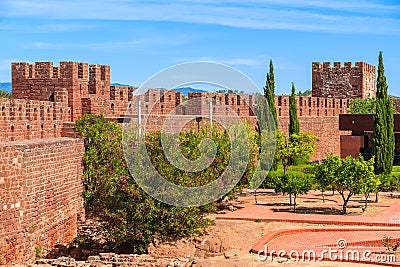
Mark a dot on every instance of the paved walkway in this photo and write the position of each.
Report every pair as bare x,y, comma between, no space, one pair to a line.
362,244
390,216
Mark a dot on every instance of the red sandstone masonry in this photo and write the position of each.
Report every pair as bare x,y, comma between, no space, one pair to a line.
312,106
346,81
325,128
22,119
40,187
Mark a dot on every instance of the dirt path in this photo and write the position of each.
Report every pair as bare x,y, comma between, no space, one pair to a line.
239,236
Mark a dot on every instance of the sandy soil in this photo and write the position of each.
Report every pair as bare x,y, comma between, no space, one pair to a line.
239,236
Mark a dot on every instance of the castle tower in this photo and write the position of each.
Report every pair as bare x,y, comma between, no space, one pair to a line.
72,82
346,81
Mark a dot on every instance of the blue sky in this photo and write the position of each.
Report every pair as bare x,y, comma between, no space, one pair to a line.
139,38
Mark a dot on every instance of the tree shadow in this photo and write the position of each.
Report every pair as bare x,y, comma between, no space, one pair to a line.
312,210
274,204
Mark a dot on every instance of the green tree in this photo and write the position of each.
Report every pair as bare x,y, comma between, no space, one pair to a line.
362,106
370,182
293,183
383,136
132,219
326,172
294,147
307,92
269,92
4,94
294,125
353,177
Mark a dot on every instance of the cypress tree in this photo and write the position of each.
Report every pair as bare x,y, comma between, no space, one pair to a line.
294,125
383,136
269,92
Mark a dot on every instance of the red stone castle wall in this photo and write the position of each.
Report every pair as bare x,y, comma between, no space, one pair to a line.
222,104
346,81
312,106
40,188
30,119
72,83
325,128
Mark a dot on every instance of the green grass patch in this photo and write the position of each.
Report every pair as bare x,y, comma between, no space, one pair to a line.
396,169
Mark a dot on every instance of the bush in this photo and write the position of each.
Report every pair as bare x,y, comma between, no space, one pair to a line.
132,219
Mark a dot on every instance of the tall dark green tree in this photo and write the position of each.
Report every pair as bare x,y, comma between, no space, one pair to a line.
269,92
294,125
383,137
271,118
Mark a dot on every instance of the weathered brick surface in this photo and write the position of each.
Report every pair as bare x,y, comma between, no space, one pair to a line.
29,119
70,83
40,187
325,128
312,106
346,81
174,123
222,104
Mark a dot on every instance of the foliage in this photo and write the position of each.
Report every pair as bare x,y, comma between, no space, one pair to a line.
269,92
389,182
307,92
130,218
189,146
4,94
383,136
354,176
295,147
292,183
362,106
390,244
325,173
396,169
266,134
230,91
294,125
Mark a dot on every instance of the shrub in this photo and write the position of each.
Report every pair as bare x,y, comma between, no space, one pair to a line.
131,219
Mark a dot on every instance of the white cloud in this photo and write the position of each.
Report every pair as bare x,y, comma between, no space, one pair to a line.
305,15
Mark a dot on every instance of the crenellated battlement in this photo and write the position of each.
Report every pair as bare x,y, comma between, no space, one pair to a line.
343,81
30,119
66,70
308,106
321,66
223,104
70,83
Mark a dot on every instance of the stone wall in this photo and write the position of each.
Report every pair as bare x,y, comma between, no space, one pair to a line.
70,83
174,123
40,187
325,128
22,119
312,106
222,104
346,81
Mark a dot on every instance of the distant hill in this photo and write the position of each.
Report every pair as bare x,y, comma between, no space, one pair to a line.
186,90
119,84
5,86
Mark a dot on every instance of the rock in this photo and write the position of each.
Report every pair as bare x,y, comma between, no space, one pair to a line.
212,244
